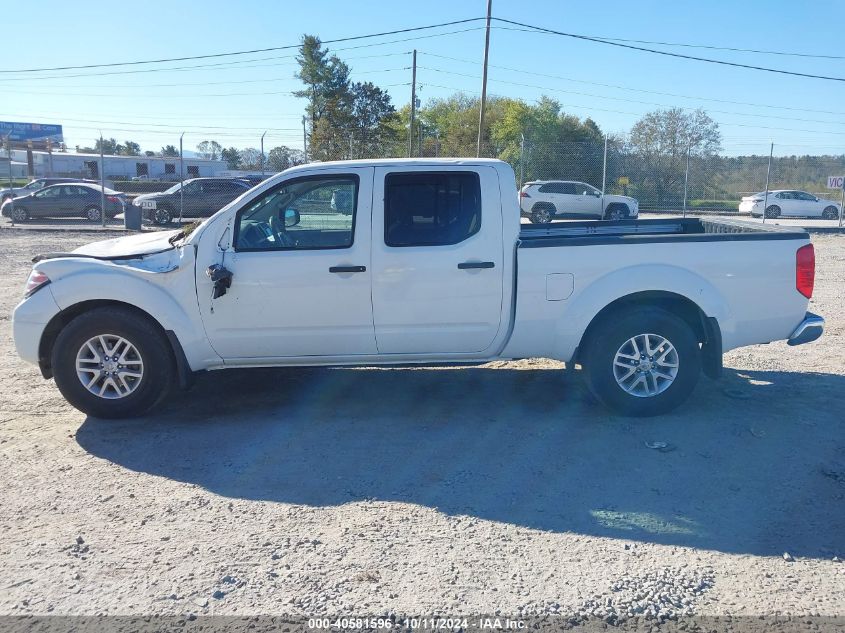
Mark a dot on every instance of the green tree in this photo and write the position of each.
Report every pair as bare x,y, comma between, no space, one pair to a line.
130,148
149,153
169,151
232,157
660,140
282,157
373,121
209,149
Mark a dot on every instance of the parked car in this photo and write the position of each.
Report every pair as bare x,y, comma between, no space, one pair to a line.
75,199
543,200
432,266
200,198
789,203
35,185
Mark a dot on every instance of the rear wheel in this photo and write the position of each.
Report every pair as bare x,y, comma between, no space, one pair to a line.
616,212
830,213
773,211
93,213
20,214
643,362
542,213
112,363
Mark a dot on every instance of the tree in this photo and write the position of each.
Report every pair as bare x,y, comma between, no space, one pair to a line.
209,149
282,157
250,158
232,157
327,89
169,151
660,141
130,148
149,153
373,120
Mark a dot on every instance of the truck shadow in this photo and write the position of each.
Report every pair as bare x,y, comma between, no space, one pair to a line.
754,464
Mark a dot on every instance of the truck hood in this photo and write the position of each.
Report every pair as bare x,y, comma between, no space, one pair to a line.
130,246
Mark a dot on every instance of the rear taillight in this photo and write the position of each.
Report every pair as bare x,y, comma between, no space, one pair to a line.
112,198
36,280
524,194
805,270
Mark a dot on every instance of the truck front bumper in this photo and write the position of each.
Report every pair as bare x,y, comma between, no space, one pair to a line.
808,330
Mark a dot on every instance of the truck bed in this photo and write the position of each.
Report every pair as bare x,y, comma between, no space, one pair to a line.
651,231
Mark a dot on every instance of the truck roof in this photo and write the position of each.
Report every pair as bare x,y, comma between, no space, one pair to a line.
387,162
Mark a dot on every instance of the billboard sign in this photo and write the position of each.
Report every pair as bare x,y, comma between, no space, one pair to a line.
22,132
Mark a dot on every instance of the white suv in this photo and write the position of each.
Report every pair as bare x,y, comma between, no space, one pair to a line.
543,200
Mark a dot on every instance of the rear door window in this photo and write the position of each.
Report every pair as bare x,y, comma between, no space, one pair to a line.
431,208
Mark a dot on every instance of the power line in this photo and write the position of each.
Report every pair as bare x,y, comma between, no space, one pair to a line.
669,54
641,90
705,46
246,52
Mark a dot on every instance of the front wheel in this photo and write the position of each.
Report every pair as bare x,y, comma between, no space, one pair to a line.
616,212
93,214
643,362
112,362
163,216
20,214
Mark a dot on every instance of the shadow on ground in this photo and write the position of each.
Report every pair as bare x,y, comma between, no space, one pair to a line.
756,462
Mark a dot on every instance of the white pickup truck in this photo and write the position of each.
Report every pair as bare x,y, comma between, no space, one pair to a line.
411,261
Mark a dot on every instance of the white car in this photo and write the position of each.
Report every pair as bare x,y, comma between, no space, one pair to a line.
432,265
543,200
789,203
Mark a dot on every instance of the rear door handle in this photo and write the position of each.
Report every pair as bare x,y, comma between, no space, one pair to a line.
347,269
467,265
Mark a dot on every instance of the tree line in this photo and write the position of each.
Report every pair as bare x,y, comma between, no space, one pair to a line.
349,119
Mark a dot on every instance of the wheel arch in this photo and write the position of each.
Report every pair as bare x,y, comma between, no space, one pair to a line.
707,330
62,318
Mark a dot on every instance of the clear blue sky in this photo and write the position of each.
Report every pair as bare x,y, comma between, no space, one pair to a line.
230,102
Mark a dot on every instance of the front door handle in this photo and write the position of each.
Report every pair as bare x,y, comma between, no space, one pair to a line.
468,265
347,269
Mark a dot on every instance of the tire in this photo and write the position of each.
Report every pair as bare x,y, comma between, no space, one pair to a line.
773,211
71,350
830,213
542,213
162,216
609,345
616,212
93,214
20,214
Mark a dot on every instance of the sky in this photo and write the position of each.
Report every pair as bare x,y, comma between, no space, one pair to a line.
234,99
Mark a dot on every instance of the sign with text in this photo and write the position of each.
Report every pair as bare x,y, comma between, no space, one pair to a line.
835,182
30,131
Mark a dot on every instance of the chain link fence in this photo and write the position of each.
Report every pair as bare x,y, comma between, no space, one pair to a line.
674,181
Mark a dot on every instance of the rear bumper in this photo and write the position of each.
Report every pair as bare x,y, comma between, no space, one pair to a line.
808,330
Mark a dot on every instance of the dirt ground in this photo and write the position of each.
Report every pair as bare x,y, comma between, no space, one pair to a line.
497,489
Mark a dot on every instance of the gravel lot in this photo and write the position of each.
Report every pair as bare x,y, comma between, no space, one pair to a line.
499,489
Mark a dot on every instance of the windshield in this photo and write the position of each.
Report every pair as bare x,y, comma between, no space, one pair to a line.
35,184
174,188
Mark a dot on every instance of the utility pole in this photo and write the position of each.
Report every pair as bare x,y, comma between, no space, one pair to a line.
262,154
413,103
11,183
484,79
102,184
768,173
181,178
686,179
304,139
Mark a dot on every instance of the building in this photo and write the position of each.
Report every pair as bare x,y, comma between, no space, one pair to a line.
67,164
